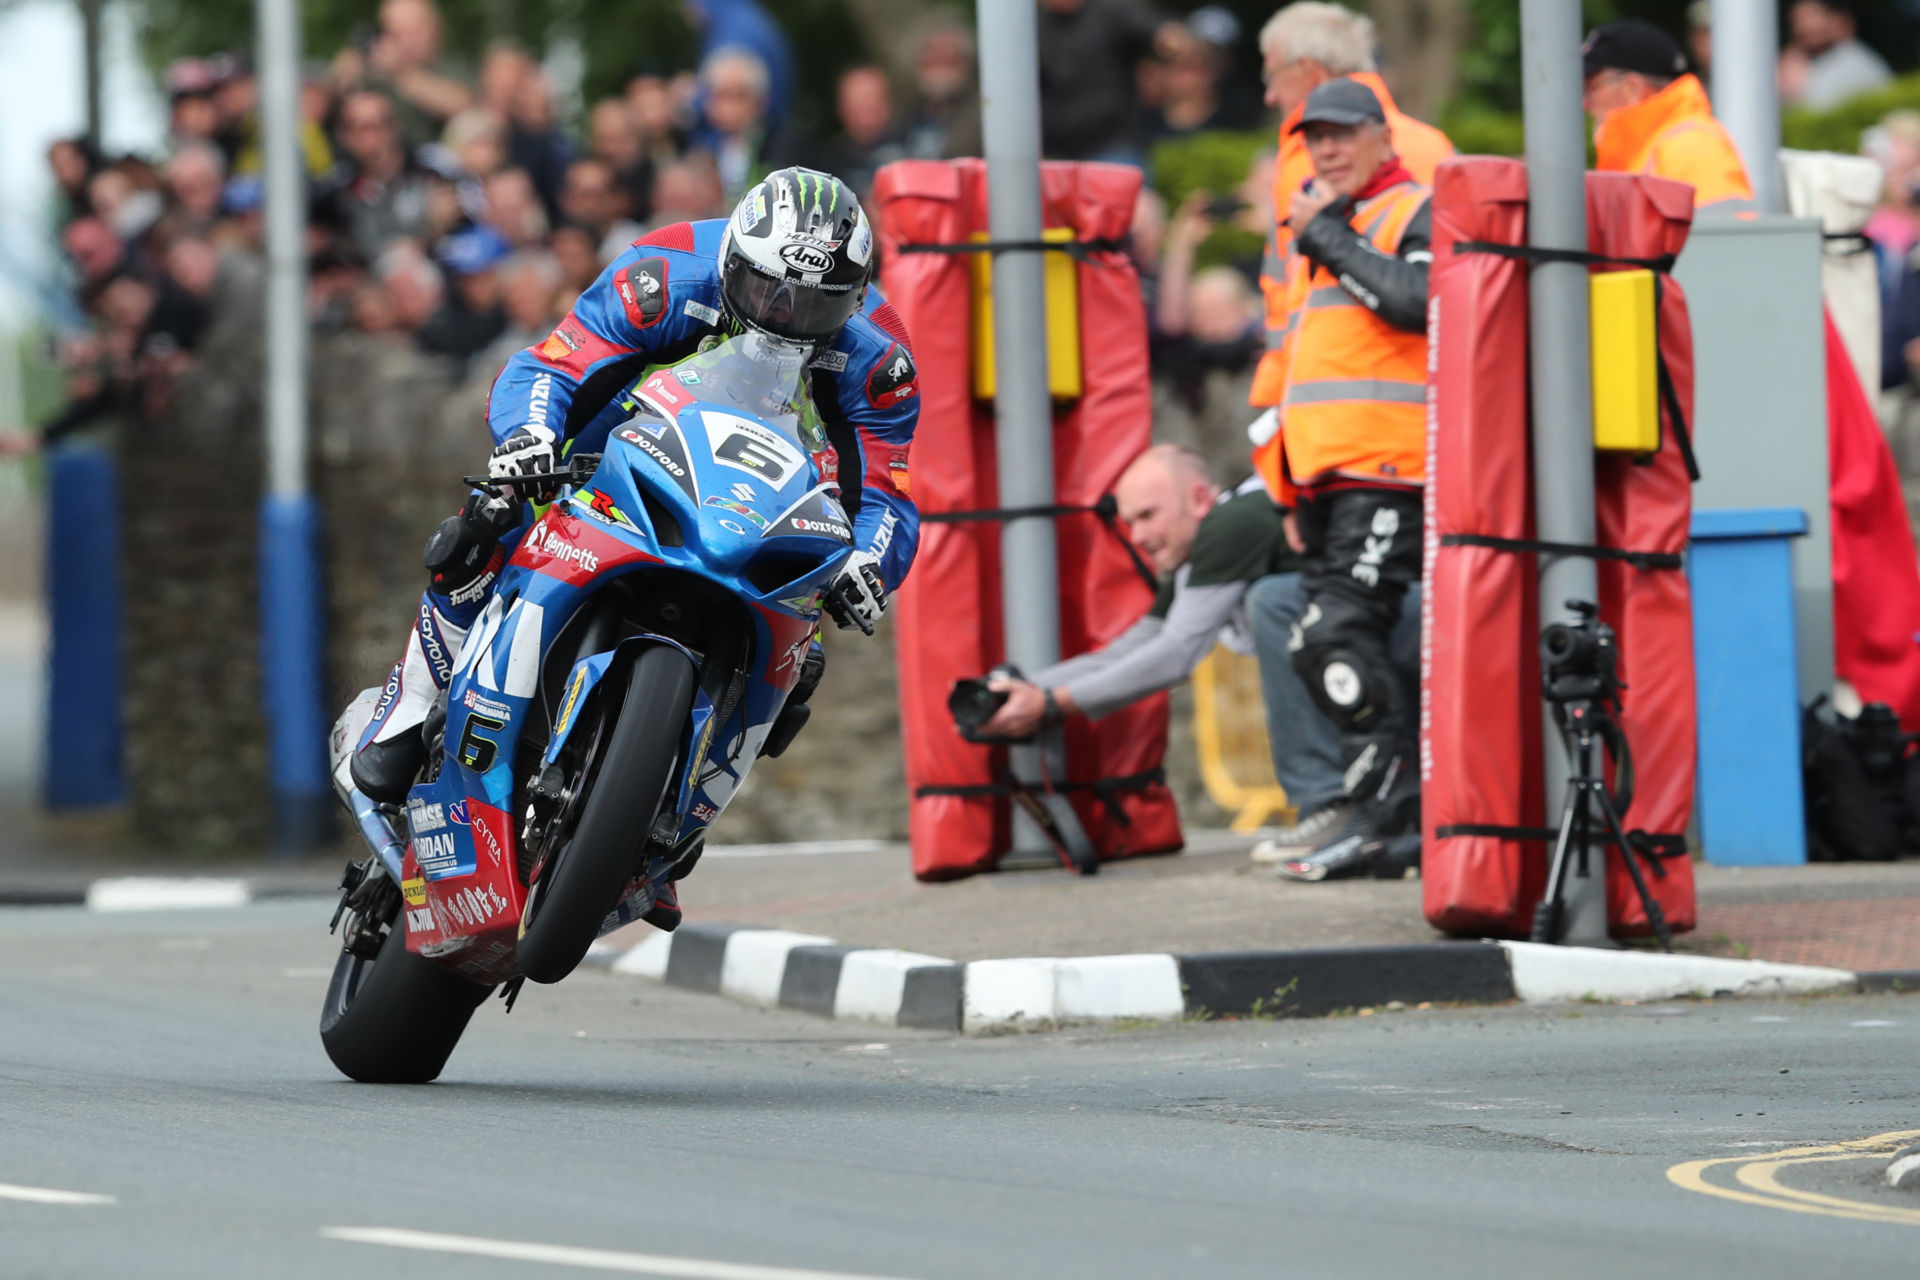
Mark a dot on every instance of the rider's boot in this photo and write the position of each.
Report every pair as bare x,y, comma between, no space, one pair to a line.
793,715
463,559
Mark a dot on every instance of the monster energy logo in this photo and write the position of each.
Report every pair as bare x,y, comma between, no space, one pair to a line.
821,186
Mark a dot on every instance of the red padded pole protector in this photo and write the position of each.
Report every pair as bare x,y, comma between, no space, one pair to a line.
1095,437
948,617
1646,504
1480,719
949,606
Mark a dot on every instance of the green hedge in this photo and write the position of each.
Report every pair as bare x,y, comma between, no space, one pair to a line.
1216,162
1840,128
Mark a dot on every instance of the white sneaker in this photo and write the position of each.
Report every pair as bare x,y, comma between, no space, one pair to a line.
1303,836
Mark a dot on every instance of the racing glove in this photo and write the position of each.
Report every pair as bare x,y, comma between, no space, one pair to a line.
528,451
857,597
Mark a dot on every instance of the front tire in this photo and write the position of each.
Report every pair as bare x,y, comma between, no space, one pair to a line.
583,881
396,1018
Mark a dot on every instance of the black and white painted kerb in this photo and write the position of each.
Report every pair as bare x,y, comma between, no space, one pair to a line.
806,972
144,893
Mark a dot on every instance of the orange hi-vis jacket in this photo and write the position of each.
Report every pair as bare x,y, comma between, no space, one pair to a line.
1421,148
1673,135
1355,405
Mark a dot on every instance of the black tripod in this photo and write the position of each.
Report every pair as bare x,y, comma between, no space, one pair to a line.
1580,681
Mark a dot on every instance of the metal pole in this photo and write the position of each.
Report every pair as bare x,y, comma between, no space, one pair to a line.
291,595
1023,407
1746,94
90,43
1562,371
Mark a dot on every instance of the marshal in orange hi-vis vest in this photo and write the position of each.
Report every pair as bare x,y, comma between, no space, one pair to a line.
1355,405
1673,135
1421,148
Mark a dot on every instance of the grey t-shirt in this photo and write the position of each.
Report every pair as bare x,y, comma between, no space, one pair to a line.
1241,540
1845,71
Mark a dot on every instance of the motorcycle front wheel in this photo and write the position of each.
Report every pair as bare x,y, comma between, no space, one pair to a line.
582,882
396,1018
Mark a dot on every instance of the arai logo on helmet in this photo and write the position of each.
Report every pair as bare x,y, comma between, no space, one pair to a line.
805,257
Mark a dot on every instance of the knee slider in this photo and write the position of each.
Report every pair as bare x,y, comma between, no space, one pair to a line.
1344,685
461,559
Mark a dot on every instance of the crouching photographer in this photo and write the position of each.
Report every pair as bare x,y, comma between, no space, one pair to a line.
1210,547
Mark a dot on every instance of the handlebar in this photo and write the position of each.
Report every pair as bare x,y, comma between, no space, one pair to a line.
580,469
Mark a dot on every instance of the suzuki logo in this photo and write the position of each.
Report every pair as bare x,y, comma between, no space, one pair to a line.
743,491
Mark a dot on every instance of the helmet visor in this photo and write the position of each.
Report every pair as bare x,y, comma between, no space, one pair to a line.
788,308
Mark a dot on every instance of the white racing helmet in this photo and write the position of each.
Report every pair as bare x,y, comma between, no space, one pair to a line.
797,256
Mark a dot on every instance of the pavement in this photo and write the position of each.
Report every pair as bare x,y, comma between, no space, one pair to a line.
170,1114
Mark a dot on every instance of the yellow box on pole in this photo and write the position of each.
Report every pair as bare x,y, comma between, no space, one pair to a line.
1626,370
1063,319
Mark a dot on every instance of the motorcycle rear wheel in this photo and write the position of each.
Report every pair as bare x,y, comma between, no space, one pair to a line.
583,881
395,1019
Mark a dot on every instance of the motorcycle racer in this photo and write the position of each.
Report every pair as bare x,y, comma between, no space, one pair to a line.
791,269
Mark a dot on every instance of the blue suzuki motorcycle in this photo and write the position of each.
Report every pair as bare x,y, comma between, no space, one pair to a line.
631,666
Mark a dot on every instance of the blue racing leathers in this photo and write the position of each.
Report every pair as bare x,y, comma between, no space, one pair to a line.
652,306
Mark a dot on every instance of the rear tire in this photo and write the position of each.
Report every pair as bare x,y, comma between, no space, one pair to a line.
583,881
395,1019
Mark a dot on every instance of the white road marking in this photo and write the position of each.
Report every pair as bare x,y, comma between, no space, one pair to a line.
48,1195
1873,1022
798,848
153,893
560,1255
1769,1017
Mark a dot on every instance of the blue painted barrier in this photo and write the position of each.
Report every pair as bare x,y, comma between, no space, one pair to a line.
1752,807
83,731
292,629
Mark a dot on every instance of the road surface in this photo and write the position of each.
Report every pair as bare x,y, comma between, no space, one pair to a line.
169,1112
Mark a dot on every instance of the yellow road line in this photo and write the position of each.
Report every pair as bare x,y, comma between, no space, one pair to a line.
1760,1174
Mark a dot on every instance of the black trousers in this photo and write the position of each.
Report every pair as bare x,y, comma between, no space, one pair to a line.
1363,551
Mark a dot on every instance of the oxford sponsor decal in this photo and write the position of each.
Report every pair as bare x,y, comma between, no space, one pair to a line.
825,528
655,452
702,312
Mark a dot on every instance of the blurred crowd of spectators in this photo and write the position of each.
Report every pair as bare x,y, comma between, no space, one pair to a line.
453,209
450,208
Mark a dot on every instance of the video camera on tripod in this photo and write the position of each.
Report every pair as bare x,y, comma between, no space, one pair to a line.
1580,680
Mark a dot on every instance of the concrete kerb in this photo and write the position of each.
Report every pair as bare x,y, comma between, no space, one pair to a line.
150,893
1903,1171
778,969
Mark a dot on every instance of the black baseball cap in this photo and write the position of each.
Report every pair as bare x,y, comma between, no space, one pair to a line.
1631,45
1341,102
